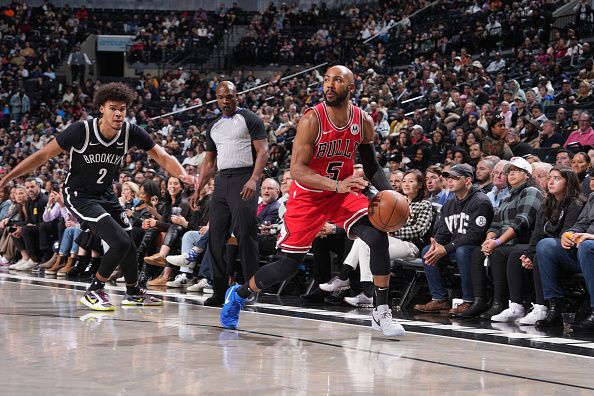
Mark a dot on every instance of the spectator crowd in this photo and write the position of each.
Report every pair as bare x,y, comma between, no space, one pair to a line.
494,150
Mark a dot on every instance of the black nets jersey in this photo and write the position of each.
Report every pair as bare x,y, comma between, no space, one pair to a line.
95,162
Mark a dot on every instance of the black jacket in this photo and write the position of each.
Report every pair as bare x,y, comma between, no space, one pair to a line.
464,222
553,228
585,223
34,209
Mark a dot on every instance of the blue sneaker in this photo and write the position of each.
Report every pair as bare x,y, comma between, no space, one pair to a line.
233,305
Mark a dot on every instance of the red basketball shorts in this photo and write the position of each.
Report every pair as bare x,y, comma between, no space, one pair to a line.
308,210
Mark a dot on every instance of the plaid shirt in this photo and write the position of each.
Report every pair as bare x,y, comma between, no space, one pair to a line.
518,211
418,223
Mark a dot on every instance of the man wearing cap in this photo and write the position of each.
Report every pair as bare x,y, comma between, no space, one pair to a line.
512,225
565,94
585,134
531,135
460,229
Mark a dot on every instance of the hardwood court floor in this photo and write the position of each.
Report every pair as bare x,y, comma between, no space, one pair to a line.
51,344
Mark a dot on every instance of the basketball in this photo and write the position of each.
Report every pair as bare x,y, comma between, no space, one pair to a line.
388,211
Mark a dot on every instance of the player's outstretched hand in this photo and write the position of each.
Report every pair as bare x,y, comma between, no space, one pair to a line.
352,184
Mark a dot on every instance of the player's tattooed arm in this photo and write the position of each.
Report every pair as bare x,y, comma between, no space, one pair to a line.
373,170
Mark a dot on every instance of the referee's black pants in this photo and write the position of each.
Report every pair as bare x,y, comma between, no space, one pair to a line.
229,212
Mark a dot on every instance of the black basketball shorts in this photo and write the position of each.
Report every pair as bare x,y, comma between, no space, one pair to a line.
92,208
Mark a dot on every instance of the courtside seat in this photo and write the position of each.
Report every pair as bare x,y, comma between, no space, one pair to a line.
304,274
412,287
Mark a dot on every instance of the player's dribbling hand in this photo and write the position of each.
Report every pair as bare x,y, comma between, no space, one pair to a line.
352,184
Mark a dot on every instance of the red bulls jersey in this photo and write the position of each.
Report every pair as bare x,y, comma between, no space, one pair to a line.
335,148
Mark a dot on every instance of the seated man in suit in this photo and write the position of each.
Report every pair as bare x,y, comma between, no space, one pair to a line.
267,214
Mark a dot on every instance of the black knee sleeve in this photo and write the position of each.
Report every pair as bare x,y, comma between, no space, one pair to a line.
379,259
278,271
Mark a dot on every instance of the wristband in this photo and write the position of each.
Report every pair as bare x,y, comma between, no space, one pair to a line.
497,242
336,185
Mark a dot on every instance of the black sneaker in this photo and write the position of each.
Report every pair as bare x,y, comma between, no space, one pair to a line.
141,300
337,298
317,296
214,301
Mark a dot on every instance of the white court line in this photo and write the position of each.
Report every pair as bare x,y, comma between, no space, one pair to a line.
180,296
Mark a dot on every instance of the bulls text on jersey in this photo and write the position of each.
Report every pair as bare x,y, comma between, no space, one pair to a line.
335,148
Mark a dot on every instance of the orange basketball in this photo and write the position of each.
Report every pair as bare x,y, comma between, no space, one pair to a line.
388,211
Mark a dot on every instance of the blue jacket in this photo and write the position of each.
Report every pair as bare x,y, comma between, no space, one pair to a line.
269,213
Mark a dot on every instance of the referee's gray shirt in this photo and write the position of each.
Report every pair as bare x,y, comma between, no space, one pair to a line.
231,137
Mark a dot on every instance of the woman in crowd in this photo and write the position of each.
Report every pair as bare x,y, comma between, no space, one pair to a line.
68,249
512,225
584,94
174,222
581,164
129,197
559,211
16,214
407,242
438,148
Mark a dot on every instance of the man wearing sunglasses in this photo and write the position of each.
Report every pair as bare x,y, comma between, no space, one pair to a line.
461,228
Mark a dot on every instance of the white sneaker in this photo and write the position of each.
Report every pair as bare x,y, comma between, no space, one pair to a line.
4,260
336,284
511,314
360,301
28,265
198,286
208,290
16,265
181,260
180,280
381,320
539,312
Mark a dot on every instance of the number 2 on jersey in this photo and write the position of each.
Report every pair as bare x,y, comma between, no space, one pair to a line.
333,169
102,174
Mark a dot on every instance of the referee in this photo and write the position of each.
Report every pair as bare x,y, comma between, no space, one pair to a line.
237,140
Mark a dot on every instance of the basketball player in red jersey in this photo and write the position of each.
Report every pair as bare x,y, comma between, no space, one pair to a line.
324,189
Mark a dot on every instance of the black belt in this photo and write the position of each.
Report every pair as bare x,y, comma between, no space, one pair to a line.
236,171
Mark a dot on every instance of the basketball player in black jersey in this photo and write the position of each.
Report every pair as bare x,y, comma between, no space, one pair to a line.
97,148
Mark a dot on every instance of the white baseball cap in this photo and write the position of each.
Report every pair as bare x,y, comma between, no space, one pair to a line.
521,163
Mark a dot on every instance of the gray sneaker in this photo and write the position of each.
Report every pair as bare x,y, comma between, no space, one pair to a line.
360,301
381,320
198,286
181,280
336,284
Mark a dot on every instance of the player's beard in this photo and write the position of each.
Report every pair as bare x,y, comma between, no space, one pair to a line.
339,99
